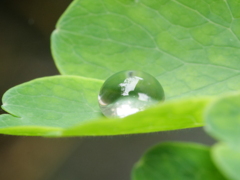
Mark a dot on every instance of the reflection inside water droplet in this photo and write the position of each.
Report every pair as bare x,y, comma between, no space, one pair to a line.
128,92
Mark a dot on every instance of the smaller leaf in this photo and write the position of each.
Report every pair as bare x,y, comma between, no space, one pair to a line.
227,160
46,106
176,161
223,119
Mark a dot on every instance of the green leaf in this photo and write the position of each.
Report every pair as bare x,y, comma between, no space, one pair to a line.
67,106
171,115
45,106
223,119
228,160
173,161
192,47
223,122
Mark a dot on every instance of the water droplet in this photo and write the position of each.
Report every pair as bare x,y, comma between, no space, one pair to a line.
128,92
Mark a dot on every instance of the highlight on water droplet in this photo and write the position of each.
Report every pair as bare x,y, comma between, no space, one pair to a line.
128,92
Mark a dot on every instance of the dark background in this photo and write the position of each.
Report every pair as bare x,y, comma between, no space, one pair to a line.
25,28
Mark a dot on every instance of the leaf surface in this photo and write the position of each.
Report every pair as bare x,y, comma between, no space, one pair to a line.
176,161
192,47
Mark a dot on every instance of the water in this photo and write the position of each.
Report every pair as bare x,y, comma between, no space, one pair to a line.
128,92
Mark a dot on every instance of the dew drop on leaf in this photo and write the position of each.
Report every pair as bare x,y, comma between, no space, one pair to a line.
128,92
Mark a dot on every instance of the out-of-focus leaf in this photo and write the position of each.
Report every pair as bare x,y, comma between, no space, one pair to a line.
179,161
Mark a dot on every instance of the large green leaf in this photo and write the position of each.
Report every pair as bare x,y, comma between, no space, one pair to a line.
171,161
67,106
227,160
191,46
